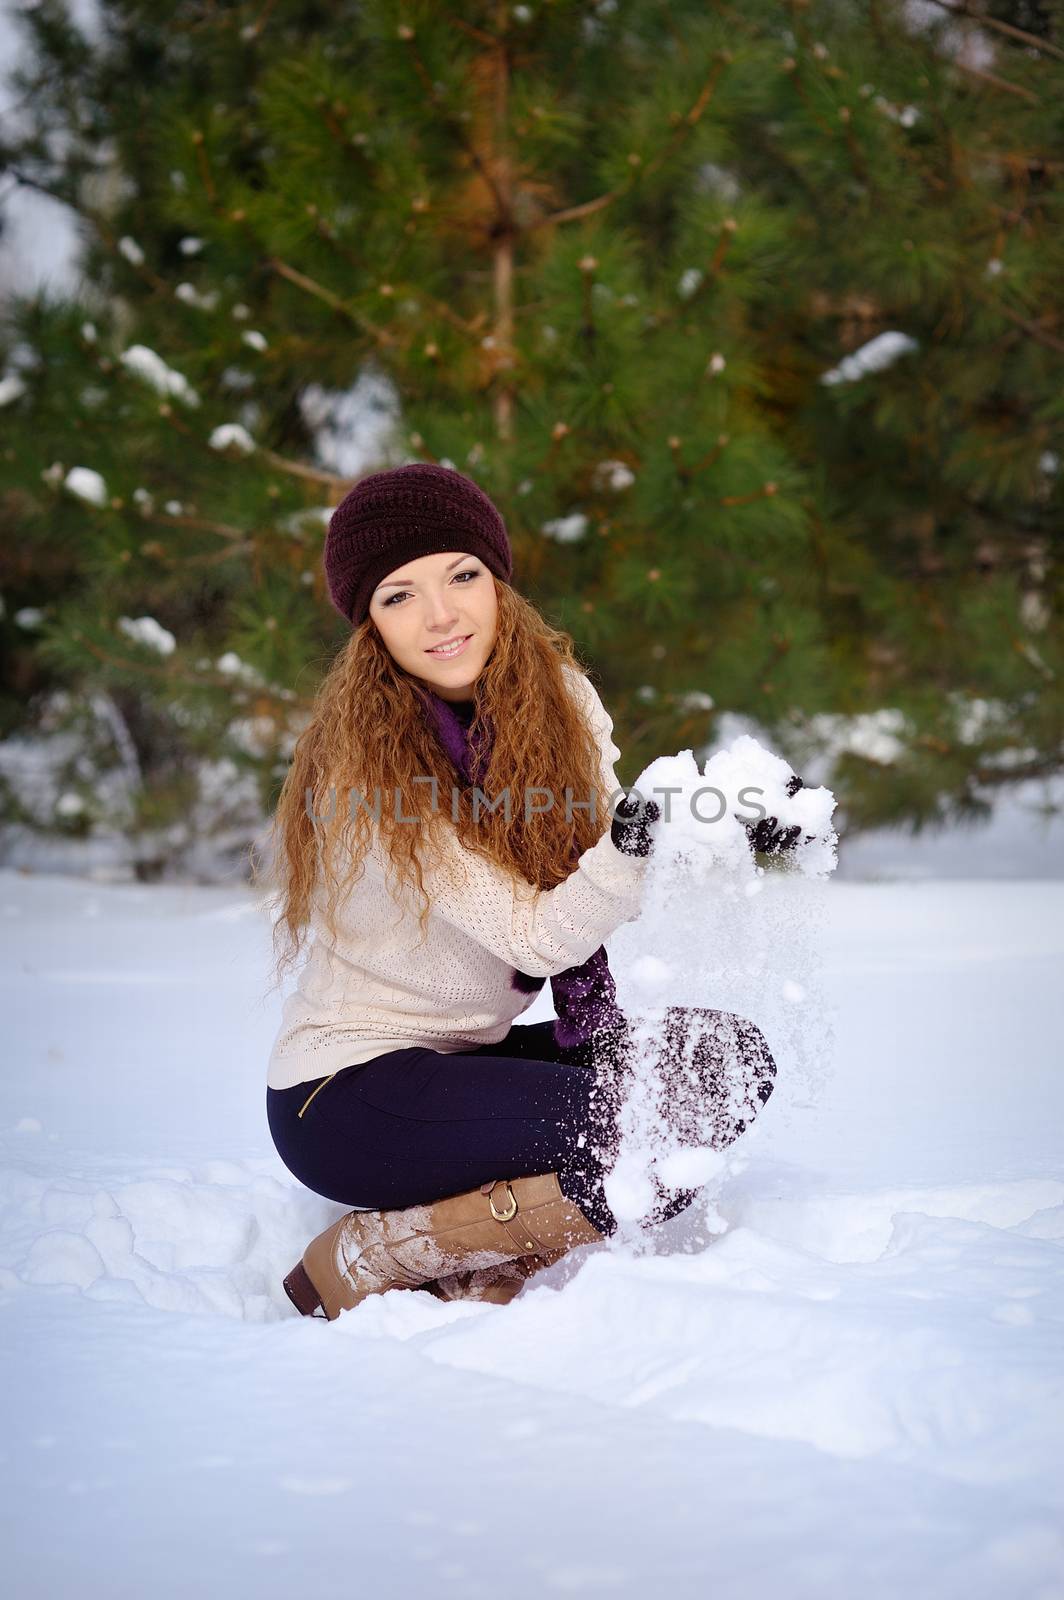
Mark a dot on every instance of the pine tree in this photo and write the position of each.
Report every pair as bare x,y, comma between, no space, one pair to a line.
747,318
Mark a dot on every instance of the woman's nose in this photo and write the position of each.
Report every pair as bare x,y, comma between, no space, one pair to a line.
440,608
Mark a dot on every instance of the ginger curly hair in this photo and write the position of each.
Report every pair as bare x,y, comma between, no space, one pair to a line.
368,730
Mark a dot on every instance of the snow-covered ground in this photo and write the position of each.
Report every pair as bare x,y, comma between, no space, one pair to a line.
856,1389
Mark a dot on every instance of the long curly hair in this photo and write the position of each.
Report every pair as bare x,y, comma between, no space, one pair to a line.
369,731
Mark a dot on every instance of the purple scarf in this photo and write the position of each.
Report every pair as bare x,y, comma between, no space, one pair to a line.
584,997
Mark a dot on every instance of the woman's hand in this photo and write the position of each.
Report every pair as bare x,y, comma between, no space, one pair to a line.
632,822
767,837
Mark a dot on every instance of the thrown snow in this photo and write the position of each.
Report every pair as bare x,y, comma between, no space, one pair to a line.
721,925
843,1376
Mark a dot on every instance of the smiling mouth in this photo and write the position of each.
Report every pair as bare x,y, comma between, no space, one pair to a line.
444,653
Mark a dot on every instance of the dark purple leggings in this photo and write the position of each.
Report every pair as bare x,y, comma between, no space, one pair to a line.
414,1126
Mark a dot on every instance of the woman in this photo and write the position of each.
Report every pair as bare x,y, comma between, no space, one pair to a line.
445,829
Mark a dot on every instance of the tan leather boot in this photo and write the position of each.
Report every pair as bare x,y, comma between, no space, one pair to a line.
369,1252
495,1285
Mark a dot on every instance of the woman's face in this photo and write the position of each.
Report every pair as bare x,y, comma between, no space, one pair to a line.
433,601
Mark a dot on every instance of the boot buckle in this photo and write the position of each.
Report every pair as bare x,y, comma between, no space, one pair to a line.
502,1216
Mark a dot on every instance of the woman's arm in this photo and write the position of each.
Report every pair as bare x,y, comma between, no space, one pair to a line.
542,931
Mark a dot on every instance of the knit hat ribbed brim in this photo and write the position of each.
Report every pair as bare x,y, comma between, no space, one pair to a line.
405,512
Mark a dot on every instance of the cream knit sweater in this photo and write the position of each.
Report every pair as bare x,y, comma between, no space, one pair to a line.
376,988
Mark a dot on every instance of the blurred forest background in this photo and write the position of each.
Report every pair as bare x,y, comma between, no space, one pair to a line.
748,317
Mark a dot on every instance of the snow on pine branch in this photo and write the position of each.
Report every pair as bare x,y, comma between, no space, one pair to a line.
152,369
878,353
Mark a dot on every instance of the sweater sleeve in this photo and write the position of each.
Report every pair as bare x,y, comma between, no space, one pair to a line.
543,931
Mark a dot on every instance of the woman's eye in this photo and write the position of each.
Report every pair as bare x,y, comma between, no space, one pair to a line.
401,594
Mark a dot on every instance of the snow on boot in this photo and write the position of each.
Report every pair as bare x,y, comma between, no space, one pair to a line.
495,1285
370,1252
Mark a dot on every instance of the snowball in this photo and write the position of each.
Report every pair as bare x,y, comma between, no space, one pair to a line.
69,805
190,246
254,338
146,364
880,352
689,282
148,632
230,435
87,485
29,617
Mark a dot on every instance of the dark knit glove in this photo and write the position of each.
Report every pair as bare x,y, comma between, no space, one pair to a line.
605,1050
631,826
767,837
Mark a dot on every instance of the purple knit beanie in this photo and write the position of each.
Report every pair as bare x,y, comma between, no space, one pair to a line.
395,516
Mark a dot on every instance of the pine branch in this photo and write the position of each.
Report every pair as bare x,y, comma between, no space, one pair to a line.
689,120
260,21
380,335
1034,330
503,218
981,20
299,469
201,524
997,82
1044,767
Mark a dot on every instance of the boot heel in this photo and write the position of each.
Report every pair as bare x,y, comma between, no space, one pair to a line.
301,1292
